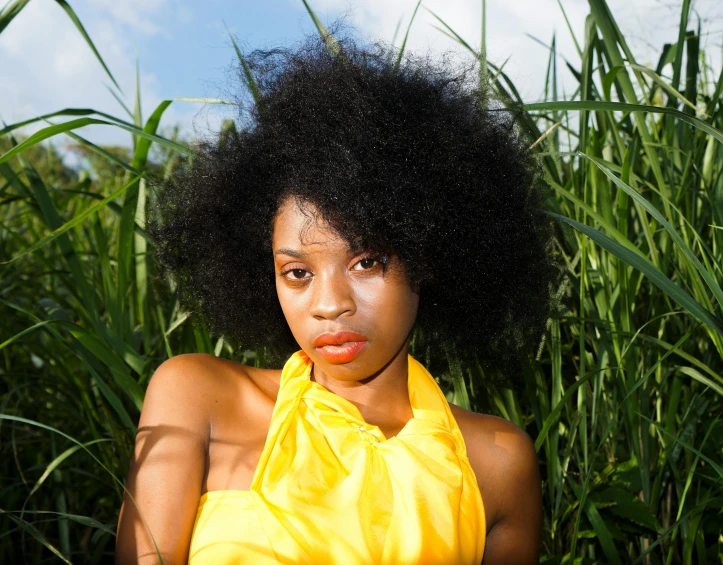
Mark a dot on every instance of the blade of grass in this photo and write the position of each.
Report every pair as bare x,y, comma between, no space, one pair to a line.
8,13
85,520
569,28
598,524
130,209
77,112
51,131
483,47
690,256
247,77
406,36
26,331
37,534
120,101
117,366
74,18
95,458
331,43
72,223
204,101
55,463
652,369
594,105
718,469
650,271
554,415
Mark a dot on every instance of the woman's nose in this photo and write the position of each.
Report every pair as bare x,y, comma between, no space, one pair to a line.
332,296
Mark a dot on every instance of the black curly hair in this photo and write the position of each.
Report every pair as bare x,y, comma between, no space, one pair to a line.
407,159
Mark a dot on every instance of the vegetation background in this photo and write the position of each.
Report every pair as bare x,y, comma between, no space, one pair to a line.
624,397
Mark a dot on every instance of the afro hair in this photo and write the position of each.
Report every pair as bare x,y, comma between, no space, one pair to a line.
406,158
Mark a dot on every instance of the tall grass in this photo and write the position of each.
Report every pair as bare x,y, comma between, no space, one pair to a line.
623,398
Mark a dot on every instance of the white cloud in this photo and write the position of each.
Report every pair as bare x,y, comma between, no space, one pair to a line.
137,14
47,65
647,24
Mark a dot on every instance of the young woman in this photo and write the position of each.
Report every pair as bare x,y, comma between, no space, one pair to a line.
361,208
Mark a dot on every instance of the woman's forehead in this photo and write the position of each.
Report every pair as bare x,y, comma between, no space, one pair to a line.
301,225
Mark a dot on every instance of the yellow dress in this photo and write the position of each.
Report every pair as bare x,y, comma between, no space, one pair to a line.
331,489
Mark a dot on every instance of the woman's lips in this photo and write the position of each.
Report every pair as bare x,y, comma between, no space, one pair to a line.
343,353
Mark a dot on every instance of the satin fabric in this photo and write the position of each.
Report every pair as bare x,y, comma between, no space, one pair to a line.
330,488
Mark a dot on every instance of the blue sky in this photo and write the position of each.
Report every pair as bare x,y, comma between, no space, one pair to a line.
184,50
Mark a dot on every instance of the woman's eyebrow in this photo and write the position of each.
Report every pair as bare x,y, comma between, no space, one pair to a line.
289,252
299,255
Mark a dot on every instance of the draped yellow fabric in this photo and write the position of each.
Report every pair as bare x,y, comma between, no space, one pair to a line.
330,488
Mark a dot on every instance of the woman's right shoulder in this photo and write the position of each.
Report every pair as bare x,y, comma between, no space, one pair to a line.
205,384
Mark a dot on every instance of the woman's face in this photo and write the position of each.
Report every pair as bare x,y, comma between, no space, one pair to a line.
325,288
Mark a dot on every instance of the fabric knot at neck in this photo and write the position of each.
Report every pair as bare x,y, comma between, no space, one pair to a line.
330,488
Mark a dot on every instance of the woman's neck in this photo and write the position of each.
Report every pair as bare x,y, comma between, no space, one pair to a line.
382,398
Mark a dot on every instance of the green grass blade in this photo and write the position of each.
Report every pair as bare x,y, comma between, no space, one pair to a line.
51,131
657,79
635,195
72,223
247,77
130,205
641,381
682,28
114,401
26,331
53,220
406,36
554,415
137,112
650,271
569,28
718,469
55,463
85,520
76,112
120,102
177,323
598,524
9,12
454,35
695,375
483,47
204,101
104,153
331,43
594,105
37,534
590,211
74,18
118,368
683,519
40,425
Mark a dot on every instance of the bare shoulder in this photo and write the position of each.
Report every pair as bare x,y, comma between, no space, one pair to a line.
204,383
493,436
191,401
503,457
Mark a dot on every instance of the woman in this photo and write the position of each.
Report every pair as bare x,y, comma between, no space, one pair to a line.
361,208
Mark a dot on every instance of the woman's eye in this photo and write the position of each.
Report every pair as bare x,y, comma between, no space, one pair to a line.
295,274
365,264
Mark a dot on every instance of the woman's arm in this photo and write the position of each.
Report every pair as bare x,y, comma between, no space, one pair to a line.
168,466
514,535
505,462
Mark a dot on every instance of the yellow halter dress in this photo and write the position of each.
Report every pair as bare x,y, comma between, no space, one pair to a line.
331,489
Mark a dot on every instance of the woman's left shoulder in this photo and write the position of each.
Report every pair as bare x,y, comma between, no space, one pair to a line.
503,458
493,436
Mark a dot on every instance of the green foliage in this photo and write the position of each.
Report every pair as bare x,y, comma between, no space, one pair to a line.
622,399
